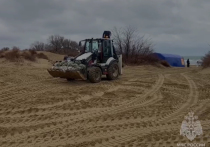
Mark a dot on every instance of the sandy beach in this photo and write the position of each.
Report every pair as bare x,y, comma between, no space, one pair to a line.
145,107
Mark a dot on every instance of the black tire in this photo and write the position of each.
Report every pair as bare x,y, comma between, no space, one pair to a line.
69,79
94,74
113,71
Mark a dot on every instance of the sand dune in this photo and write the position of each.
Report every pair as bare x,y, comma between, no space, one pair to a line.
52,56
144,107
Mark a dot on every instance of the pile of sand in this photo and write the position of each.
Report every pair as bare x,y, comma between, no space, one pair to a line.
52,56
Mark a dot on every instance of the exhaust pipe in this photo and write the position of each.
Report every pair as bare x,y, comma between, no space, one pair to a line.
120,63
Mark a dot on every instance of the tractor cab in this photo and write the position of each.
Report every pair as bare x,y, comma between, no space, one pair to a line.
102,48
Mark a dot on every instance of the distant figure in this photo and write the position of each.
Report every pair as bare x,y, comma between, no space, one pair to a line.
199,63
188,63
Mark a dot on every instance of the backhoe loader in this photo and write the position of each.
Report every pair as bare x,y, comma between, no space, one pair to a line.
99,57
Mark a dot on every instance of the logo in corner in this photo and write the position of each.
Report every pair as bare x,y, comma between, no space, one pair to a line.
191,127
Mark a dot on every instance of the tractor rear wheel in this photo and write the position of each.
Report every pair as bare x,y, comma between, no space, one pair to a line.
94,74
113,71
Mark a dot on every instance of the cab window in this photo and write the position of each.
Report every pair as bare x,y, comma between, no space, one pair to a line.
91,46
95,46
107,48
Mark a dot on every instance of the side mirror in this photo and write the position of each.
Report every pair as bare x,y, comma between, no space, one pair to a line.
80,44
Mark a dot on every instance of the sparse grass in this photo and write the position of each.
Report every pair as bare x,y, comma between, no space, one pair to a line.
4,49
206,60
13,55
141,59
165,63
28,56
41,56
2,53
16,55
33,52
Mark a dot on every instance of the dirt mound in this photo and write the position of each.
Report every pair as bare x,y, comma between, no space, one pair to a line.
16,55
25,57
52,56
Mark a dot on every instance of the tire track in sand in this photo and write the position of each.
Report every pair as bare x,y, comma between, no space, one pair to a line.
136,101
139,98
10,111
54,126
50,108
192,100
38,120
18,93
41,90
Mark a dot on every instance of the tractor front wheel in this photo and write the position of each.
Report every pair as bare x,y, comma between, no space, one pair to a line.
113,71
94,74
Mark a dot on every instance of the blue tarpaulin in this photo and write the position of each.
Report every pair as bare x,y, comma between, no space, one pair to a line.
173,60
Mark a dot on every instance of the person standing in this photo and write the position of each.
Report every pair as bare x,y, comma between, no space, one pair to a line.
198,63
188,63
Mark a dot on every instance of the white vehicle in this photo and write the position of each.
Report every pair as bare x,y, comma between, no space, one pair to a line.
199,62
99,57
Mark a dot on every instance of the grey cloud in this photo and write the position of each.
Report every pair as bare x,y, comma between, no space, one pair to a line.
175,26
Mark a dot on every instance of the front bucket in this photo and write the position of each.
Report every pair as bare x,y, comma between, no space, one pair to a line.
66,74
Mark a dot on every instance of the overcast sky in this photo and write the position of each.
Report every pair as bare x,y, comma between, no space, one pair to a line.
175,26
